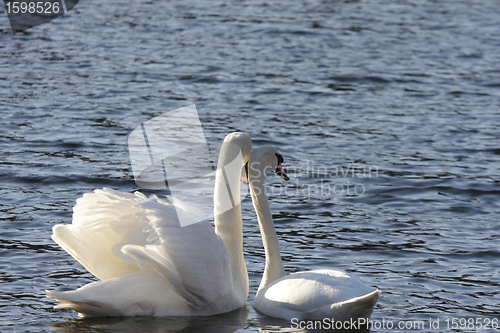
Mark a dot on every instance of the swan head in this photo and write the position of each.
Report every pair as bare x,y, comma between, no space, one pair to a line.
239,141
263,159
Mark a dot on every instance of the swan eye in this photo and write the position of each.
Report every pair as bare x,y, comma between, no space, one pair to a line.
279,170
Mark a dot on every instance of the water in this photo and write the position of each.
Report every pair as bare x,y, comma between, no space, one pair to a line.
398,100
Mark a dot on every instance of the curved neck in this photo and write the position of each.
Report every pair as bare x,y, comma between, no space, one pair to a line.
274,266
227,213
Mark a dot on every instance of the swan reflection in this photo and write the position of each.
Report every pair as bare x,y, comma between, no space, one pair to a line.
226,322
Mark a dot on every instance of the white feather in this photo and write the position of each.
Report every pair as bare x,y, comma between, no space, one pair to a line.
147,263
304,295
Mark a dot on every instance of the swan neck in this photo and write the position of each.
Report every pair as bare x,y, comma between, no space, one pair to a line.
274,266
227,217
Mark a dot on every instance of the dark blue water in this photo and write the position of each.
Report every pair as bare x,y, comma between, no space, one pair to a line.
396,103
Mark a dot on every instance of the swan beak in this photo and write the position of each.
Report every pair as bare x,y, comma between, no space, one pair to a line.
244,175
281,173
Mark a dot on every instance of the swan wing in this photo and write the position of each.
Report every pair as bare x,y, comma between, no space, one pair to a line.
103,221
193,258
132,237
151,256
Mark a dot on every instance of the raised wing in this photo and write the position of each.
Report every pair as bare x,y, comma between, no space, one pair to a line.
114,234
103,222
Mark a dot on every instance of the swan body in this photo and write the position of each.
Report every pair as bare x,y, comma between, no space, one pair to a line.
148,265
316,294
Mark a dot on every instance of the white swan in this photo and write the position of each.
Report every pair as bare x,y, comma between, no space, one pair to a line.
147,263
316,294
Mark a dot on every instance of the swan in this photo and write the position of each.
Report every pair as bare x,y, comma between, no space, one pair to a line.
148,265
317,294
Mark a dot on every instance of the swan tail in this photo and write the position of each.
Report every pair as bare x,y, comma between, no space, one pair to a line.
369,299
354,308
84,308
143,293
